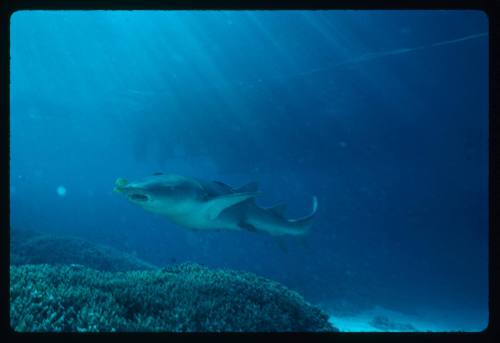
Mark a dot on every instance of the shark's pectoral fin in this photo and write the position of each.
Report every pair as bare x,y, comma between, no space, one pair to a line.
216,205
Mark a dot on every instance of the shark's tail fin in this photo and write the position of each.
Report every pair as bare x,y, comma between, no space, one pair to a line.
302,225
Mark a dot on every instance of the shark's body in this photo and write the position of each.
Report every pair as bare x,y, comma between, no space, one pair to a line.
210,205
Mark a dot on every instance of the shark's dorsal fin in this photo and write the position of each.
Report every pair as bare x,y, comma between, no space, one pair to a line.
278,209
249,187
218,204
226,186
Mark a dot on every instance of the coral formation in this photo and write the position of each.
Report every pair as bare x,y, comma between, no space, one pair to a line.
33,248
180,298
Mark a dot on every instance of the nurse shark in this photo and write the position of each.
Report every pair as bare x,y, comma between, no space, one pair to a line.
211,205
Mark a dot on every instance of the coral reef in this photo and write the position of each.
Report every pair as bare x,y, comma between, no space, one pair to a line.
34,248
385,324
180,298
69,284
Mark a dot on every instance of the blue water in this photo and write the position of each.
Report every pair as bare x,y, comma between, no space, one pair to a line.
381,115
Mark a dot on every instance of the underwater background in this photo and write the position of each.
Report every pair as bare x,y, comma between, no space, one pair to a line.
382,115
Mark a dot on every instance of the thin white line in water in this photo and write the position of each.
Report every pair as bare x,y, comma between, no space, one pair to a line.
376,55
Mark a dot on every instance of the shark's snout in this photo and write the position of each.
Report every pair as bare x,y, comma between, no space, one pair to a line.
132,192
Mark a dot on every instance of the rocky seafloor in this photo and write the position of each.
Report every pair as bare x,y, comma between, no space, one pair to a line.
55,288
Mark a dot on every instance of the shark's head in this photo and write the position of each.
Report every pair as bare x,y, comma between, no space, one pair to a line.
159,193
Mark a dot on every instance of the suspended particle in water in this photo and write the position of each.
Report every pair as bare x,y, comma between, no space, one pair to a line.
61,191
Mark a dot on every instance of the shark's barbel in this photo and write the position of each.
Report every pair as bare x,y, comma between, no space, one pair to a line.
205,205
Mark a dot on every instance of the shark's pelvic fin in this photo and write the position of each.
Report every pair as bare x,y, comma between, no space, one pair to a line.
278,209
216,205
247,226
249,187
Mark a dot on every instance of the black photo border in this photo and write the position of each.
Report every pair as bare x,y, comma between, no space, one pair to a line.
490,8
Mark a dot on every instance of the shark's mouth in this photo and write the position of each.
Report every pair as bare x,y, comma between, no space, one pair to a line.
138,197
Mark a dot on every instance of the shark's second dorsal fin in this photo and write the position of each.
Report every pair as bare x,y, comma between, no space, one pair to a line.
249,187
218,204
278,209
